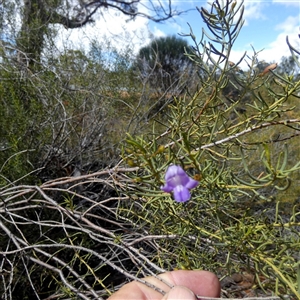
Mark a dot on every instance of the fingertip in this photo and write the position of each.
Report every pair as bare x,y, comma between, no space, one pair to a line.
203,283
215,285
179,293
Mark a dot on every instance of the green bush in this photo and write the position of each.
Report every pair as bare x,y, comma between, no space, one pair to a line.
243,216
21,114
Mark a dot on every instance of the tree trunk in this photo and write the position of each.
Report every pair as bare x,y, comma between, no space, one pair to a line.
31,37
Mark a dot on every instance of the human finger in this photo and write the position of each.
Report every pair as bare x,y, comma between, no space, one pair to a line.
201,283
178,293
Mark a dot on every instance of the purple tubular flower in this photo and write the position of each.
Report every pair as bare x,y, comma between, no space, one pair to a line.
178,182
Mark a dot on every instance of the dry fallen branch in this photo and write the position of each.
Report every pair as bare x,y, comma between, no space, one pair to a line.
74,238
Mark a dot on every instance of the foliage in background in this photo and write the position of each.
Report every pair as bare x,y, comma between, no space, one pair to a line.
40,20
165,64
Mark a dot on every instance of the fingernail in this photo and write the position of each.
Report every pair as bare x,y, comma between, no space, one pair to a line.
179,293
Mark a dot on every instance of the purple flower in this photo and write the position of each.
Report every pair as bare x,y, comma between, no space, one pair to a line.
178,182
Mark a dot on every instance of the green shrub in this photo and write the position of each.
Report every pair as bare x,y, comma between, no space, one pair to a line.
243,216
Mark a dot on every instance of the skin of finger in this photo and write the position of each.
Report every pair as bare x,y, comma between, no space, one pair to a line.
180,292
200,282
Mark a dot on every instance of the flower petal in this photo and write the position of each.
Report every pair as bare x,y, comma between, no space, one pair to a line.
181,194
178,182
175,175
167,188
192,183
173,171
